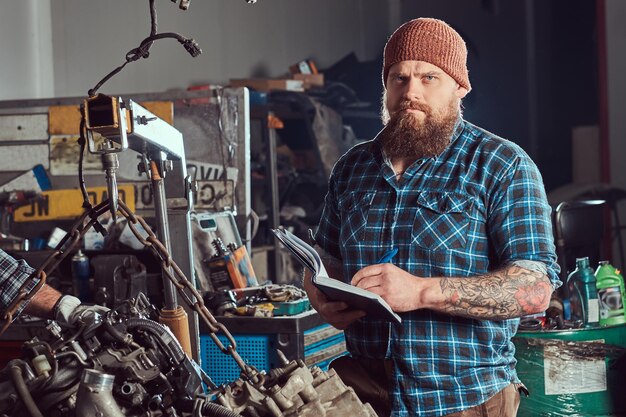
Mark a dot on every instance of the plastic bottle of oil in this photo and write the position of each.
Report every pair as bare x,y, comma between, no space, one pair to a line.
583,295
611,294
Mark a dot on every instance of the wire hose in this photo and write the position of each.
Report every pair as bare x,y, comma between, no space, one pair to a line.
164,337
82,142
143,50
23,392
215,410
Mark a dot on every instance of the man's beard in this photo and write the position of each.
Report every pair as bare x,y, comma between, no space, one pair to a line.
405,136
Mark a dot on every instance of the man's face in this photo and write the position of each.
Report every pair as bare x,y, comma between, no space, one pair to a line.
420,108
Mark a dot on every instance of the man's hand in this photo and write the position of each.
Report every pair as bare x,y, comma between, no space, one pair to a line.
70,311
336,313
397,287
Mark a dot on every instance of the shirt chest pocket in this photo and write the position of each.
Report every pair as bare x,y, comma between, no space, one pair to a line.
441,220
354,208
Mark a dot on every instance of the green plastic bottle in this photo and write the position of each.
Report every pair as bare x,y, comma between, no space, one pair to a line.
583,295
611,294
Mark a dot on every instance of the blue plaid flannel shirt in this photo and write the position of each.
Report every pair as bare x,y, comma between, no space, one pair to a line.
13,274
478,206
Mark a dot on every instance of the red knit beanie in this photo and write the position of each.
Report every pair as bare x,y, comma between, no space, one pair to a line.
432,41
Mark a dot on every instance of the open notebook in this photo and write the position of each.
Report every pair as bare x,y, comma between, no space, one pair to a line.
334,289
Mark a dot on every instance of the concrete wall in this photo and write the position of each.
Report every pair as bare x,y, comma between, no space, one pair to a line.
239,40
26,66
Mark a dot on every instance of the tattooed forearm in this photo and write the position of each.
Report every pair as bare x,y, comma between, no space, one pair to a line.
504,294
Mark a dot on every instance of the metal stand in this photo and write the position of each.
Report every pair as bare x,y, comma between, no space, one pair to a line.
161,145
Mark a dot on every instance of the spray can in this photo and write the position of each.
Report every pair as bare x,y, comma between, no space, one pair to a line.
611,294
80,276
583,295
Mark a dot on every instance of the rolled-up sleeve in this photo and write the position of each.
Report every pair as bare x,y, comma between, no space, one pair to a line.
519,221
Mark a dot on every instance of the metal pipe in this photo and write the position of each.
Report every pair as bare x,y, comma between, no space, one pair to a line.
274,215
111,164
95,395
160,208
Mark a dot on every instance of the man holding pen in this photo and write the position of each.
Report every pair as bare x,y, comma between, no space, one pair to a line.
466,212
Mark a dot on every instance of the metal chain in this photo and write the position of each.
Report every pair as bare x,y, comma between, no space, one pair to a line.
180,281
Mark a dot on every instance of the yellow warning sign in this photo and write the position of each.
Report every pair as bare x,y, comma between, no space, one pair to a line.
68,204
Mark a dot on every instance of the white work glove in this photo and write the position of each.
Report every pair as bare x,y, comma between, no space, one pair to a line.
69,310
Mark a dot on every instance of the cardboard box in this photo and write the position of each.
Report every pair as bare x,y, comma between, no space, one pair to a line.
269,84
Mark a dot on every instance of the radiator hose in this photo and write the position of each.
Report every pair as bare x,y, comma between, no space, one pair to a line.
163,334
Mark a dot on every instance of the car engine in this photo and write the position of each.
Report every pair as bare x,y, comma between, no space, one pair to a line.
124,363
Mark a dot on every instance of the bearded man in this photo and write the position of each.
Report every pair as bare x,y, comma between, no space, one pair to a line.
468,214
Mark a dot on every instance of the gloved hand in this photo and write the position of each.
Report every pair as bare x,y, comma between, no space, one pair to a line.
69,310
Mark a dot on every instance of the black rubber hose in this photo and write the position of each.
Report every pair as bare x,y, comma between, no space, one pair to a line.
23,392
116,334
164,337
216,410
